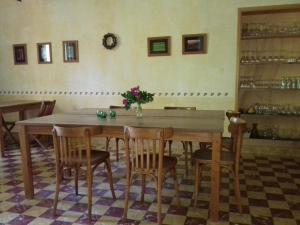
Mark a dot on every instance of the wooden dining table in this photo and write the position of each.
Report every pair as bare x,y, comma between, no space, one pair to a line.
19,106
198,126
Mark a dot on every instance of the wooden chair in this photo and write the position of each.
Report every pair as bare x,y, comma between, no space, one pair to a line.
185,144
226,141
145,156
46,109
73,150
117,139
229,159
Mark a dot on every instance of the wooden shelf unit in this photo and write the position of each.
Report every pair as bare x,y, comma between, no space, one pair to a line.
287,127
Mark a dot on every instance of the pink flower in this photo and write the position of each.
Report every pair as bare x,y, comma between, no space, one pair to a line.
136,91
125,102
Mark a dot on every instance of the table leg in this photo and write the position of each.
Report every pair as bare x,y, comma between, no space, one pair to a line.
215,178
26,163
1,135
21,115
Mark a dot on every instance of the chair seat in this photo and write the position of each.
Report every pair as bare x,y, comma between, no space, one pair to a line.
96,157
206,156
99,156
227,142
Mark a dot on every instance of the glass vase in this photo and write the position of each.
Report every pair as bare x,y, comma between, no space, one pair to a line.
254,131
139,111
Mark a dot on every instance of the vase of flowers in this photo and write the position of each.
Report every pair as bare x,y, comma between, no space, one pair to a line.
138,97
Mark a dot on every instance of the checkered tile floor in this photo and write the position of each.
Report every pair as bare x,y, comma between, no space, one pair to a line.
270,189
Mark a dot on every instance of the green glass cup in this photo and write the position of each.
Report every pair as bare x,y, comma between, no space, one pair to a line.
101,114
112,114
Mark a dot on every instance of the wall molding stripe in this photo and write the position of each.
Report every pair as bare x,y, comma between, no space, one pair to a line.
112,93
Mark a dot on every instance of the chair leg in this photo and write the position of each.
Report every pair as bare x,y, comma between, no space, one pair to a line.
197,182
90,184
185,148
127,190
76,180
107,144
110,179
159,190
143,187
196,188
237,189
191,151
117,149
57,186
170,147
176,186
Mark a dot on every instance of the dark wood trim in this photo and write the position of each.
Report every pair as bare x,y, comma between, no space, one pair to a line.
274,9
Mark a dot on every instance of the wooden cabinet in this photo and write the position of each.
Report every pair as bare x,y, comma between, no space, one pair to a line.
269,72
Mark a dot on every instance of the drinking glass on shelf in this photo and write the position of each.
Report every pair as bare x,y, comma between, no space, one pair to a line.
283,28
293,28
292,57
297,57
250,30
258,29
273,29
288,83
244,57
298,82
261,56
245,30
282,56
252,56
283,82
276,56
275,132
244,82
269,55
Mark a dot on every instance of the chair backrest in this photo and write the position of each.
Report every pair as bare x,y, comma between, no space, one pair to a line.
145,148
179,107
237,128
117,107
73,144
46,108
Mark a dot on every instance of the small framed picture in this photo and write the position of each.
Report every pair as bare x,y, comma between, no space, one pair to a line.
194,44
44,53
70,51
20,54
159,46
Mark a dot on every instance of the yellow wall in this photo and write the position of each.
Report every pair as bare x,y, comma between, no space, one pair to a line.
113,71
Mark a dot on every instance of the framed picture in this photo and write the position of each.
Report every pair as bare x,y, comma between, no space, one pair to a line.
70,51
194,44
44,53
20,54
159,46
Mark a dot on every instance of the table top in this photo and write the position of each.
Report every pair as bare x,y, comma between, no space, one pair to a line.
5,104
216,114
192,121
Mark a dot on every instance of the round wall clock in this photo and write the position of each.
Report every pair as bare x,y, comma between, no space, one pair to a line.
109,41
